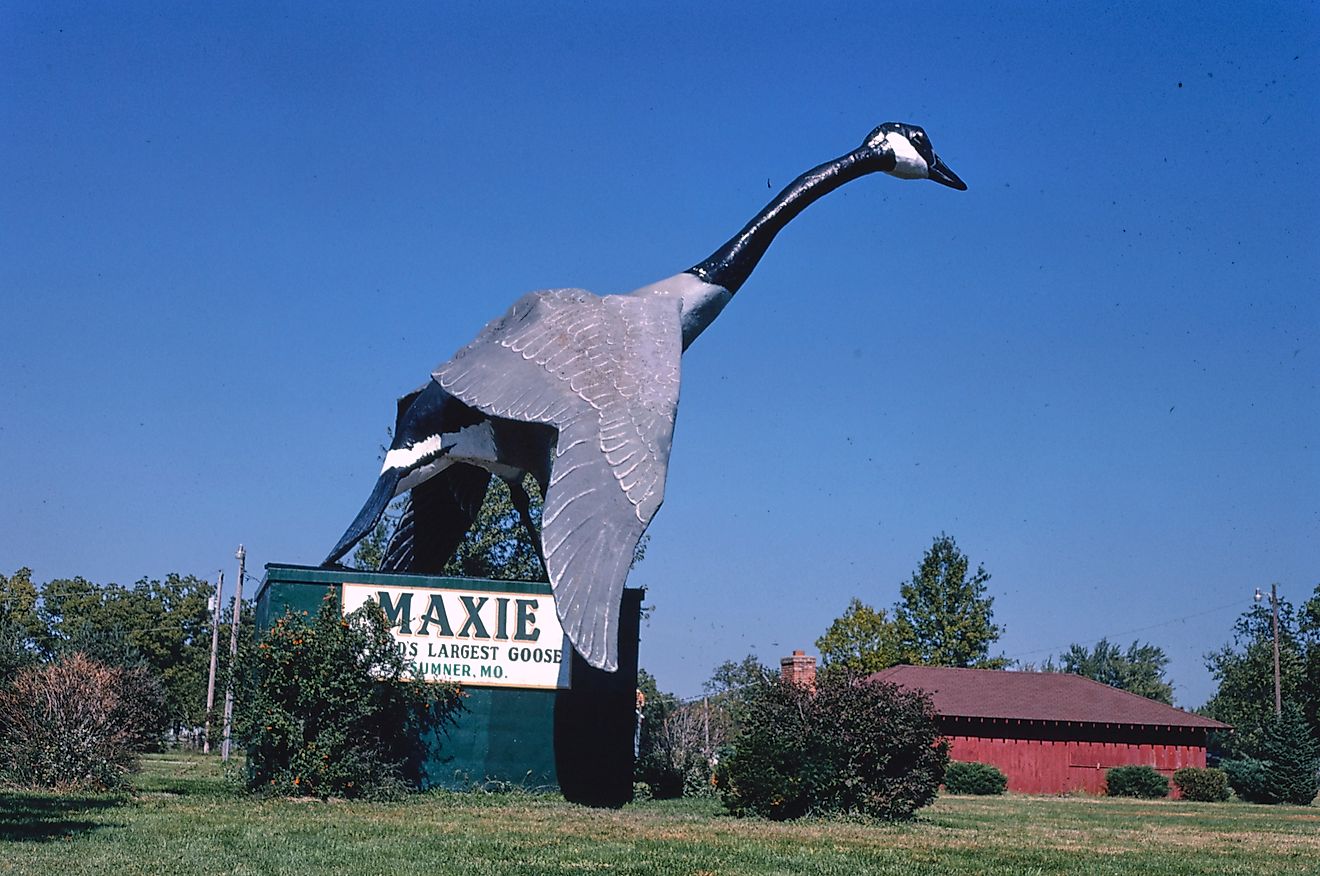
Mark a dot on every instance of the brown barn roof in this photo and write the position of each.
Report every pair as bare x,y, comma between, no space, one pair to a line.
1036,696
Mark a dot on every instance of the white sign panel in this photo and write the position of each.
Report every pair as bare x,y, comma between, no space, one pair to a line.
472,637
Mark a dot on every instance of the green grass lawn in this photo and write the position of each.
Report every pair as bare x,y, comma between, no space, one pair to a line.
184,818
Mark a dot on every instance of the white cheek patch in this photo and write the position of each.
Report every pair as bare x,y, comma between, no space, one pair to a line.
908,161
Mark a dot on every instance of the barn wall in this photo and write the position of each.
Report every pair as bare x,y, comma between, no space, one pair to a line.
1066,765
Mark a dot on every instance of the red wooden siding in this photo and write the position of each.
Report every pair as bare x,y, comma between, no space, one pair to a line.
1056,766
1051,732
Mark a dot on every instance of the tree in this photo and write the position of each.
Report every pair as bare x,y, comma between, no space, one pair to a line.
18,606
944,617
165,624
1292,756
1308,686
724,706
1281,762
730,677
1140,670
370,552
498,545
1244,669
862,640
655,758
20,626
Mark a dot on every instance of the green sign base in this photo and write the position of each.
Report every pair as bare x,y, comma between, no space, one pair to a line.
578,740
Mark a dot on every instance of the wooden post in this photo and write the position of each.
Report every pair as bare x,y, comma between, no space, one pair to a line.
1278,688
215,654
233,652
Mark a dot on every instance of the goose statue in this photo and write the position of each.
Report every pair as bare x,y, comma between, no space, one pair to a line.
580,391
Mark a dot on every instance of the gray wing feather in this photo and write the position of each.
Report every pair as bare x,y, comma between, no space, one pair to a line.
605,372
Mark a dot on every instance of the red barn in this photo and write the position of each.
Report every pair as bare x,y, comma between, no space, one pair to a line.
1053,733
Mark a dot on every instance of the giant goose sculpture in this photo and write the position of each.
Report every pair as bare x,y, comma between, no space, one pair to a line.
580,391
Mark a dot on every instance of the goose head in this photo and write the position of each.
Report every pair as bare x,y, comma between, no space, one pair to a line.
905,152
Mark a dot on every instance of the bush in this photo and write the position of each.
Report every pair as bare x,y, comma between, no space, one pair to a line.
1202,785
327,712
1248,778
74,724
1286,765
974,778
854,746
1136,781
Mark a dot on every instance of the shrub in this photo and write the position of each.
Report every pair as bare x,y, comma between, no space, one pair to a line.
1136,781
974,778
1248,778
73,724
1202,785
1286,766
854,746
327,711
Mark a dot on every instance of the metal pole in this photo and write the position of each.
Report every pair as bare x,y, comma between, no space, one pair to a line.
1278,687
233,651
215,654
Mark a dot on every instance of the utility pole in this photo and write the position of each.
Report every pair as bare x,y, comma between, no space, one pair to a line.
1278,688
1274,609
705,721
241,555
215,653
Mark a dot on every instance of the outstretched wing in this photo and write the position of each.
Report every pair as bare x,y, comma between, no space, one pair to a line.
604,371
437,516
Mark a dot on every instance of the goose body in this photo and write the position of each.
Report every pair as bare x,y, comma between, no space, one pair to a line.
581,391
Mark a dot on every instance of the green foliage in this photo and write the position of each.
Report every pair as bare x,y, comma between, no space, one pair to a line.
71,724
1244,670
498,545
1284,766
326,710
19,618
680,742
655,765
944,617
1136,781
726,693
141,685
852,746
862,640
1249,779
1139,670
961,777
1202,785
14,653
164,624
370,551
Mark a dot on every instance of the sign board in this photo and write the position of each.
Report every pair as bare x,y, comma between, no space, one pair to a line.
472,637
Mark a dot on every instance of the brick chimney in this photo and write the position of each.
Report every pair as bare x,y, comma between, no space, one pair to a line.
799,669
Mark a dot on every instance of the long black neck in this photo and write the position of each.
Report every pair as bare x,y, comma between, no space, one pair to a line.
731,264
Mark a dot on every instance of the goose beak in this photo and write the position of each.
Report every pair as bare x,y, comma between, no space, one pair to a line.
367,517
940,173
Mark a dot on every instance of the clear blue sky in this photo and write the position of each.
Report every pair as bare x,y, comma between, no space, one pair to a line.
231,234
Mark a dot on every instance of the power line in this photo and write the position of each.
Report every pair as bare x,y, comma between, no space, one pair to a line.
1130,632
